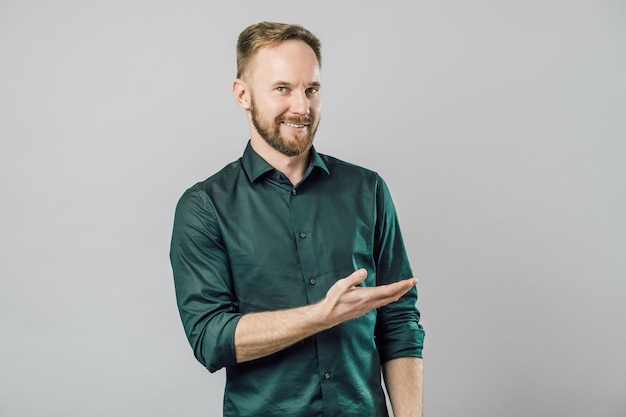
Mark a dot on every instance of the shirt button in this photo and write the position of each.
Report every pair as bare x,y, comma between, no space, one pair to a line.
312,281
302,235
326,375
293,191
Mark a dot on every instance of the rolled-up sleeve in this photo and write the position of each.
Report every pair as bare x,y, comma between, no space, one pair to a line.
398,329
203,282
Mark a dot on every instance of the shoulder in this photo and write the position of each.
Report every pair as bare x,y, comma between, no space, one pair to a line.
202,194
359,179
341,168
224,179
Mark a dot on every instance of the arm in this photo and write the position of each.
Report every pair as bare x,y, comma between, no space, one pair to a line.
261,334
218,333
404,379
400,336
204,291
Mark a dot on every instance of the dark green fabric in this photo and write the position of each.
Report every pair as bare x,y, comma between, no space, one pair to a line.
246,240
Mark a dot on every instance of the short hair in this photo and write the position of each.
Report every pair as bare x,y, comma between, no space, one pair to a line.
262,34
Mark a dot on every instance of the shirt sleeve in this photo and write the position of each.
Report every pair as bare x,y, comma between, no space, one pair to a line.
202,278
398,329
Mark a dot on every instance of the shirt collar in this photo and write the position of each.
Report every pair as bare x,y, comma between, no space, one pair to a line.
255,166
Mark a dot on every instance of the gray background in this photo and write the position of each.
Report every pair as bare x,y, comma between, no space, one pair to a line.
498,125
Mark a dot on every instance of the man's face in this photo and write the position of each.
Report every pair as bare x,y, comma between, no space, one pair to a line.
285,102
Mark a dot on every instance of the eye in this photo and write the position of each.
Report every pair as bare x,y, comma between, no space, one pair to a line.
281,89
312,90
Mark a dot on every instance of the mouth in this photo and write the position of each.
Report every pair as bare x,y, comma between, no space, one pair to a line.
295,125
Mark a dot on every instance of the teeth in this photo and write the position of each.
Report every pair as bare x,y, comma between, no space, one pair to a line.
293,125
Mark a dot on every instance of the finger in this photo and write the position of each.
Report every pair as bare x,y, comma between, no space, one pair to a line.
394,291
355,278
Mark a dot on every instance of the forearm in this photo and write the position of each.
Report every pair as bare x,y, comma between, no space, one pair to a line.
404,380
261,334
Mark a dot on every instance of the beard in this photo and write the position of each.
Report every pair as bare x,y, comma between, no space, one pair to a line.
271,132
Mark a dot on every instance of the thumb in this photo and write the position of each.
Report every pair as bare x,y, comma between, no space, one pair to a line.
356,277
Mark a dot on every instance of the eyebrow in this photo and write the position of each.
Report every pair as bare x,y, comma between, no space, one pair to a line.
288,84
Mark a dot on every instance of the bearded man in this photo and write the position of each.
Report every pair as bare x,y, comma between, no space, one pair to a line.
289,265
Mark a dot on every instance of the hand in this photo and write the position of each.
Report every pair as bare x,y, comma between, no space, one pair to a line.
263,333
345,300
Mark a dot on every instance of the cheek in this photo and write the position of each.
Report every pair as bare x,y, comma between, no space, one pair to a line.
316,108
267,102
274,104
275,108
316,105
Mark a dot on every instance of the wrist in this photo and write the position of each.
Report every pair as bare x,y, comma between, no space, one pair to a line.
320,313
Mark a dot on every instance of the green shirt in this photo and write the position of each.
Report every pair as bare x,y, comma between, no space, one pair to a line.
247,240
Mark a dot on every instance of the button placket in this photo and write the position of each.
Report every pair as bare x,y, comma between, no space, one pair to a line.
305,237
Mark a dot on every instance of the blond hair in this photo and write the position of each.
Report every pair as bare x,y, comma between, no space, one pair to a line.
259,35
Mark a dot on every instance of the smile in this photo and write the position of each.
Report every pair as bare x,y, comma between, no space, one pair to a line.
294,125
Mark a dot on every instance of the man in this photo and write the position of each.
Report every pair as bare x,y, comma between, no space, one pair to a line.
289,265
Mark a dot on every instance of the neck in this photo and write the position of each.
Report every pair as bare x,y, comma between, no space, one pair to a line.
294,167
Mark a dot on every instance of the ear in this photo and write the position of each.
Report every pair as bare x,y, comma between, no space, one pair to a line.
241,93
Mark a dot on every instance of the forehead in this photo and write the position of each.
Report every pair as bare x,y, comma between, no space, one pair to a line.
291,58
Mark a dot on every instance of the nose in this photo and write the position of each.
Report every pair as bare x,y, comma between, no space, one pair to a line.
300,103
